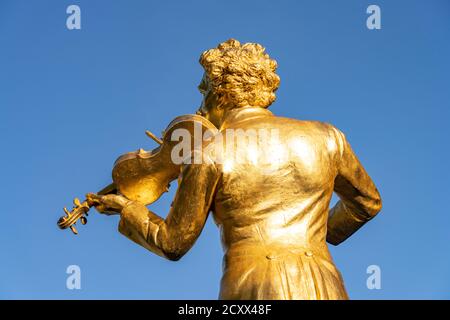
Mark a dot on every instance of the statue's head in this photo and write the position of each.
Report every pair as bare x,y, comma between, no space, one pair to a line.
236,76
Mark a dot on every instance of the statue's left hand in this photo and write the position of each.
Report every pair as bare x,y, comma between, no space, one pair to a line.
109,204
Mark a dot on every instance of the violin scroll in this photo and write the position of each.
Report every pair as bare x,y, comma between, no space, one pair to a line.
79,212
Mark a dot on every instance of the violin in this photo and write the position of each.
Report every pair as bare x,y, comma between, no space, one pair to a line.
144,175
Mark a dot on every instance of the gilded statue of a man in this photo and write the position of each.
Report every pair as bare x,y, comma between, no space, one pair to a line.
273,215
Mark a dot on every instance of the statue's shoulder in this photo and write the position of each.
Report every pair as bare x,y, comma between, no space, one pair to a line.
315,126
317,130
329,130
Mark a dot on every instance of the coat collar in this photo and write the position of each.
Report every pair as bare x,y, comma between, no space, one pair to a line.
244,113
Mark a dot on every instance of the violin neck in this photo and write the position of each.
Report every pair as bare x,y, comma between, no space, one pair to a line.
109,189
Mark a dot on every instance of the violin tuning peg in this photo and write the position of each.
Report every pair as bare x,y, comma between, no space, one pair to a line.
76,202
74,230
66,211
83,220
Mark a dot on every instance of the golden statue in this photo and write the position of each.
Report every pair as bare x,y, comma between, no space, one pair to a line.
269,196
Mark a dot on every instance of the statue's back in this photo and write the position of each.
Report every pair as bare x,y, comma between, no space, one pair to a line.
272,206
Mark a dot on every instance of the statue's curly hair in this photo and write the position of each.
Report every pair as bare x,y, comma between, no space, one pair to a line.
242,75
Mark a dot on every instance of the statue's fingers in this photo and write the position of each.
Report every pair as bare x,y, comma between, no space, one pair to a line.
93,199
103,204
91,195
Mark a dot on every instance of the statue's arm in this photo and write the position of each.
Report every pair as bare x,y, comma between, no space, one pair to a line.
174,236
359,201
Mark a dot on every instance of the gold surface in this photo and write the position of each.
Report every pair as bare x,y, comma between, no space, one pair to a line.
145,175
272,210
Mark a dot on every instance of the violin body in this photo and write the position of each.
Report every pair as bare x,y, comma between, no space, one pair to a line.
145,175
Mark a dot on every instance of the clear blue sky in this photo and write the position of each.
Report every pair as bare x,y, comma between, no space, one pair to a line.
72,101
